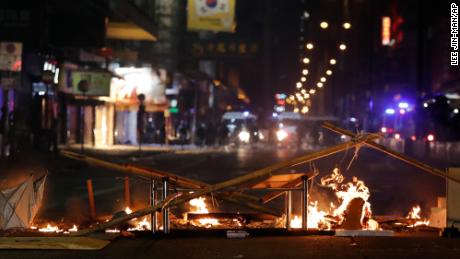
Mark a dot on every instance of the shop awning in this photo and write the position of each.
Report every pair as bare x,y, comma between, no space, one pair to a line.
127,31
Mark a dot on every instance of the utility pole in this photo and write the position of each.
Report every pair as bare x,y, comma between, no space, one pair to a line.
83,86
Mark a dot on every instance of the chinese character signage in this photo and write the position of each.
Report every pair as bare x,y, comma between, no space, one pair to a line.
224,49
211,15
10,56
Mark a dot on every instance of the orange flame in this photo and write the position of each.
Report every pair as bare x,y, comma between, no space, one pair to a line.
198,205
415,214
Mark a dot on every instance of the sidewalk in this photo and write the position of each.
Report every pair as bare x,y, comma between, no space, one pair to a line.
125,148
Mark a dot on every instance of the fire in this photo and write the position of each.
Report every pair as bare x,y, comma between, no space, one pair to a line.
141,225
50,229
128,210
198,205
73,229
316,218
346,193
208,222
296,222
415,215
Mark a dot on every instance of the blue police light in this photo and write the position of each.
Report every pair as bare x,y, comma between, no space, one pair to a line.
390,111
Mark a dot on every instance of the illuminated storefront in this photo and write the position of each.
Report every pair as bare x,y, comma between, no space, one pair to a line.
125,89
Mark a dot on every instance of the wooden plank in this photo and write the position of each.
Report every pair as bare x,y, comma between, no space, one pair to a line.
394,154
52,243
277,181
295,183
226,184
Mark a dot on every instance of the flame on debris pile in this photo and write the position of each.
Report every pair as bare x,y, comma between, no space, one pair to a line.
141,225
414,214
198,206
345,193
50,228
296,222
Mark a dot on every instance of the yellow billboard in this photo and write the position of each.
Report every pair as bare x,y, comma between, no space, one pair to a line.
211,15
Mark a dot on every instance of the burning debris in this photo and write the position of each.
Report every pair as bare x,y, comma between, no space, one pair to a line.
414,215
353,212
198,206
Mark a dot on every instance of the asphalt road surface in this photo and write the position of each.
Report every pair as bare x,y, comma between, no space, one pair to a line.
261,247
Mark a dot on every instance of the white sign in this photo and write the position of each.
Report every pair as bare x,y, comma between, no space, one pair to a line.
10,56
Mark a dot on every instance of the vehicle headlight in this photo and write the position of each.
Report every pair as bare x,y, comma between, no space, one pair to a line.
261,136
244,136
281,135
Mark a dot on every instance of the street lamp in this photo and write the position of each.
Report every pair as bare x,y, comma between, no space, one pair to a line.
346,25
332,61
328,72
306,60
324,25
342,47
83,86
310,46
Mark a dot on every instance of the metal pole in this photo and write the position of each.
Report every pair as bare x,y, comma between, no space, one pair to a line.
165,209
82,124
92,205
304,202
288,208
153,202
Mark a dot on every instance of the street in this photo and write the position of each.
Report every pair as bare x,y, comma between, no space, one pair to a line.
261,247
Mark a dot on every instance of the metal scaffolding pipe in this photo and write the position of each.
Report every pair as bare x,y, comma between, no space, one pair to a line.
304,202
153,202
165,209
288,208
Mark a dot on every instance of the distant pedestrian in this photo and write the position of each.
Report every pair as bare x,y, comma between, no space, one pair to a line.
201,134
